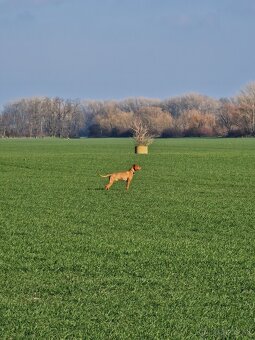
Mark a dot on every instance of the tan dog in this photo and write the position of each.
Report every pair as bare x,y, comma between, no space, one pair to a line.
126,176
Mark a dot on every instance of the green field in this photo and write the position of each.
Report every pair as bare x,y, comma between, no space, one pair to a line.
172,258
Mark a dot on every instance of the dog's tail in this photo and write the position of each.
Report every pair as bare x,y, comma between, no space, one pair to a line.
105,175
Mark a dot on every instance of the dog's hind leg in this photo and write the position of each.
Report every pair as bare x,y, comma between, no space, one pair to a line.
111,181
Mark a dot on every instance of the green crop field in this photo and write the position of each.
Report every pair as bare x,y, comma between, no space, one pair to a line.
172,258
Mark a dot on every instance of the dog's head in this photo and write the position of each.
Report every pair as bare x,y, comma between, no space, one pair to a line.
136,167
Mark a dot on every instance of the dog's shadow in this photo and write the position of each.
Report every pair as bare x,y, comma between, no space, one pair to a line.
95,189
103,189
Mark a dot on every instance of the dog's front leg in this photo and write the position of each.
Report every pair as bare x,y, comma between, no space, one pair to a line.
128,183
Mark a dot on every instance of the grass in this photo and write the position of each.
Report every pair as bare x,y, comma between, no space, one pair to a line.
172,258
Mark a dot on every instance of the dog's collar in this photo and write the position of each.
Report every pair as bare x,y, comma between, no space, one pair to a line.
133,170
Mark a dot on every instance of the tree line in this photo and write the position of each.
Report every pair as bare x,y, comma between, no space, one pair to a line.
182,116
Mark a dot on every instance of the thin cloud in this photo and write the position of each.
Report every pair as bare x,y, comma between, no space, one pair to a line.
31,2
46,2
25,16
189,21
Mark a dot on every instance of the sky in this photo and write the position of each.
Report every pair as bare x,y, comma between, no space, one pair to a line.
116,49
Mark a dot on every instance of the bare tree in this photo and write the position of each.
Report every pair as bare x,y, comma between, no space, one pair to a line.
141,132
135,104
156,119
228,118
192,101
194,123
246,101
